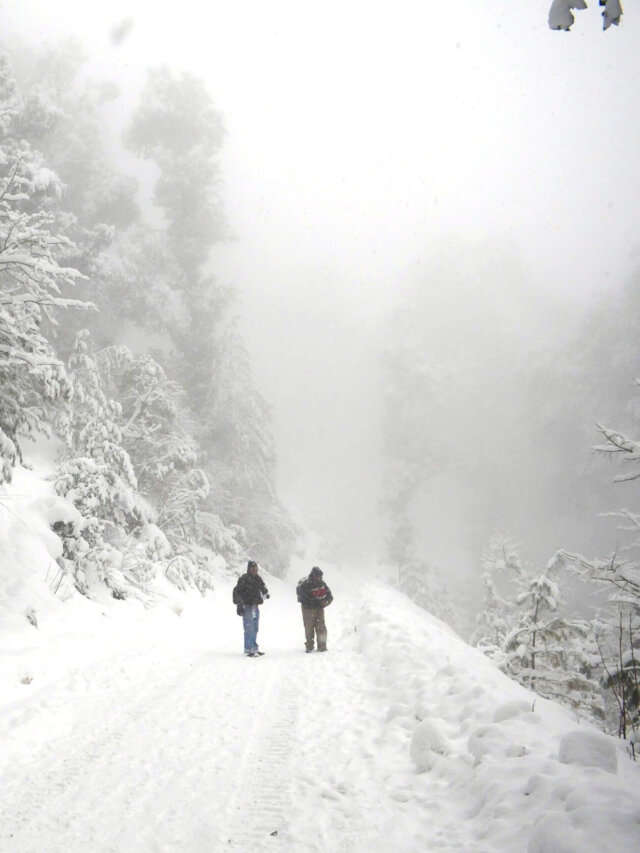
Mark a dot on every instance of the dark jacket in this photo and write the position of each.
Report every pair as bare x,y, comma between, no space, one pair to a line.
249,590
313,592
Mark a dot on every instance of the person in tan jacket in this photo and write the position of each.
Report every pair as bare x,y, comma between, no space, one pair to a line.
314,595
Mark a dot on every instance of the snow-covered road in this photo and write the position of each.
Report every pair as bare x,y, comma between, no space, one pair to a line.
186,745
166,738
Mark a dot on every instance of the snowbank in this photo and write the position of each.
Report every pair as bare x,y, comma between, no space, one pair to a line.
530,776
48,631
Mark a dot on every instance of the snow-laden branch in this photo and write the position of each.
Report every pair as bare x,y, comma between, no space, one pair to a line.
51,301
11,356
561,15
612,13
39,265
619,443
622,574
632,517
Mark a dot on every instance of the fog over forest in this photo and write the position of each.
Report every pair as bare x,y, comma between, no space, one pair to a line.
430,230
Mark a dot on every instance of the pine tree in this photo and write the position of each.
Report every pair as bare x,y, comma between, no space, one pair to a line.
96,474
238,429
166,460
545,651
619,632
502,578
618,642
154,424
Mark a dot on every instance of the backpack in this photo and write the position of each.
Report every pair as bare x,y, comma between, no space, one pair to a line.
299,589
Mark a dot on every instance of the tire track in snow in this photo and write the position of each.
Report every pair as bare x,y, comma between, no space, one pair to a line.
259,805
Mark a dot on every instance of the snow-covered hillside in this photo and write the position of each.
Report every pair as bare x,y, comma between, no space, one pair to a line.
136,730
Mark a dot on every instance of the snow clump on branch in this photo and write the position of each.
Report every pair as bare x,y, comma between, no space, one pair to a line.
561,16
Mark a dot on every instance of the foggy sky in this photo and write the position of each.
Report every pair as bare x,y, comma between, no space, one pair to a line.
360,136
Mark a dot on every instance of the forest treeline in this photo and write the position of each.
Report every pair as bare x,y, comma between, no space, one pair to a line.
116,337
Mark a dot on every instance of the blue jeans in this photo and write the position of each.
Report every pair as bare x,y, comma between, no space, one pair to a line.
250,620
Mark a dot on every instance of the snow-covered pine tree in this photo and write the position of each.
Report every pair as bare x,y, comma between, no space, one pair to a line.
545,651
166,460
619,631
66,116
228,540
64,110
238,432
93,426
32,379
179,515
502,579
154,430
97,475
618,644
181,520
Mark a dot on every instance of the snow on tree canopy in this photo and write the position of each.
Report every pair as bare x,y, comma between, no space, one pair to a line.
33,248
611,14
561,16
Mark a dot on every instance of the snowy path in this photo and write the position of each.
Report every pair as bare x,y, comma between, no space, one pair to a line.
190,747
146,763
169,740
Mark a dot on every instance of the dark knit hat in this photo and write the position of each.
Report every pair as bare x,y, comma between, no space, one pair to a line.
316,572
252,565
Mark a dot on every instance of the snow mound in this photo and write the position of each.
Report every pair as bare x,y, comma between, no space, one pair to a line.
28,546
581,831
494,741
502,776
426,743
588,749
511,709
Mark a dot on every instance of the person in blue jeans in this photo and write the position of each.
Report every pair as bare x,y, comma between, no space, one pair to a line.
249,593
